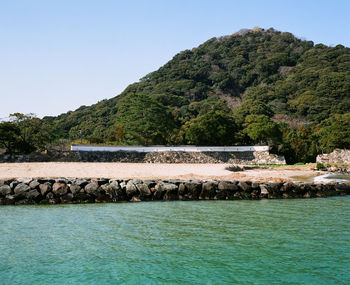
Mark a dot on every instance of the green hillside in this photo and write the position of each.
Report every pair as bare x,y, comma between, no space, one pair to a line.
255,86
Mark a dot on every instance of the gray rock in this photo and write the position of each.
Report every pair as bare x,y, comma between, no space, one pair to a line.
45,188
263,190
159,191
145,192
59,189
171,191
13,184
74,188
131,189
208,190
32,194
67,198
114,185
24,180
227,186
92,188
34,184
20,189
5,190
51,198
135,199
61,180
244,186
9,199
182,189
194,189
80,182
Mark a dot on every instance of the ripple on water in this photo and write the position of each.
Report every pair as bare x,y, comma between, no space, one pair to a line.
252,242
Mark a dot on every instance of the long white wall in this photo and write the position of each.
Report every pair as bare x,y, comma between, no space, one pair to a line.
169,148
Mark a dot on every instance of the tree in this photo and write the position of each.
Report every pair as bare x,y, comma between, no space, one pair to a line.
262,130
24,134
213,128
143,120
9,136
334,132
34,133
299,145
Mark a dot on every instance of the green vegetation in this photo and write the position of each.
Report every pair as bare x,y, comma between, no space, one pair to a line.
24,134
256,86
320,165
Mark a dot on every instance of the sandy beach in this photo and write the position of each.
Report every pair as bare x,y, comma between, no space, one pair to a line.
151,171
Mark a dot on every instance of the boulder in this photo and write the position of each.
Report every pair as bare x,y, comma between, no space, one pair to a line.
67,198
34,184
263,191
13,184
171,191
50,198
342,188
9,200
32,194
5,190
135,199
20,190
194,188
208,190
24,180
145,192
45,188
62,180
159,191
117,191
59,189
131,189
80,182
244,186
226,189
74,188
92,189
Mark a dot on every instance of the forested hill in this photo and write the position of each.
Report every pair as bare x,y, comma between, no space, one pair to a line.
254,86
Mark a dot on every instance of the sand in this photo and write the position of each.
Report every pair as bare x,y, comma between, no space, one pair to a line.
150,171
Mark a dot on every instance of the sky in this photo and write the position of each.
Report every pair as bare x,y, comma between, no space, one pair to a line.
56,55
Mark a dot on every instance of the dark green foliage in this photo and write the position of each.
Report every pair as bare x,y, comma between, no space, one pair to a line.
24,134
262,130
299,145
334,132
213,128
143,121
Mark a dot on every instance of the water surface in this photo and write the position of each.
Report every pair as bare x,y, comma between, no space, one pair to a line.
304,241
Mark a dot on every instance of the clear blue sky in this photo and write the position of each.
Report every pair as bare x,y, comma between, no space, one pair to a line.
56,55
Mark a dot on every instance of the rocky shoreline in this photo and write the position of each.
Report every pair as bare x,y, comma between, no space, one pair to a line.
77,190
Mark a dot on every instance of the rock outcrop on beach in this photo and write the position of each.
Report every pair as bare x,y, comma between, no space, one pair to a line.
77,190
338,156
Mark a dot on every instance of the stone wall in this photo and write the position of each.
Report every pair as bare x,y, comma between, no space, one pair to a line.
248,157
338,156
77,190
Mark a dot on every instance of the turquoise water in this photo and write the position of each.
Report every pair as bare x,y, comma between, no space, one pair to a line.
304,241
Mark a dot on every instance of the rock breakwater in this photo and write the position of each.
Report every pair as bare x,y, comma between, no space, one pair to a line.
77,190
